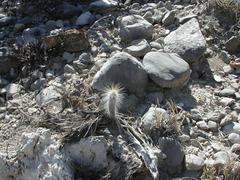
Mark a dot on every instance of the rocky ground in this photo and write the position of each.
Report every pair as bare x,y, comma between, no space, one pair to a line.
177,61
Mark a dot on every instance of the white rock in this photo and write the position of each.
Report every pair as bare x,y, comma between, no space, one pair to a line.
153,118
193,162
227,101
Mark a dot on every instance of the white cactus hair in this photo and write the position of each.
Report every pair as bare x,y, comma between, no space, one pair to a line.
112,99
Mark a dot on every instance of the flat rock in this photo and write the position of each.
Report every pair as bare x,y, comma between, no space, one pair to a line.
187,41
138,48
193,162
166,69
134,27
153,117
124,69
202,125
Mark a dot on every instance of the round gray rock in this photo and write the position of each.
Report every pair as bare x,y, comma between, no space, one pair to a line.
124,69
193,162
166,69
134,27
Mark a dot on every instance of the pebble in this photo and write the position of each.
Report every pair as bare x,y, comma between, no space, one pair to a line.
226,92
227,101
234,138
202,125
193,162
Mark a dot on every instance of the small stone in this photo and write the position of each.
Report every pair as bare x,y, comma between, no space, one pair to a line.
221,158
217,78
193,162
69,69
202,125
234,138
225,57
186,18
86,58
138,48
235,148
38,84
227,69
184,138
237,95
226,92
212,125
168,18
156,45
227,101
85,19
153,117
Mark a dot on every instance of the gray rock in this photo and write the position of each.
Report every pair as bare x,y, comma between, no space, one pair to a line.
169,18
232,45
187,41
212,125
221,158
69,69
134,27
153,118
38,84
85,19
51,98
103,5
90,152
124,69
193,162
184,138
12,89
6,20
202,125
234,138
138,48
175,155
7,60
226,92
225,56
156,45
86,58
166,69
232,127
227,101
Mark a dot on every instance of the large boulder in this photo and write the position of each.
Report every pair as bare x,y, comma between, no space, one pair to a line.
166,69
134,27
124,69
187,41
